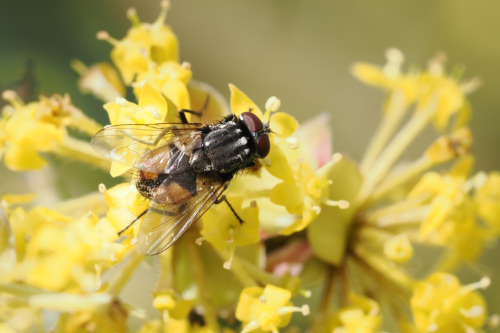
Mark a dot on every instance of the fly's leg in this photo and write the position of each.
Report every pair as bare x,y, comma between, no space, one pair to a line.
131,223
182,113
223,198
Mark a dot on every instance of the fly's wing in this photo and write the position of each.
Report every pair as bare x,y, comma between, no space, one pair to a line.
126,144
165,224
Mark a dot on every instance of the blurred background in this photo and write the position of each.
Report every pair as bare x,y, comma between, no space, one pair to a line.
299,51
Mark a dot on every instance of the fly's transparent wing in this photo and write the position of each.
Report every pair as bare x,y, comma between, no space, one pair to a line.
165,224
127,143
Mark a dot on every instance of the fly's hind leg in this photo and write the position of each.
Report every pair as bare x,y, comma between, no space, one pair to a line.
182,113
223,198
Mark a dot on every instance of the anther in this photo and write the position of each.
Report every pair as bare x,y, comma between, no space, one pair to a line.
253,204
292,142
133,17
102,188
186,65
121,102
199,241
133,241
165,4
336,157
273,104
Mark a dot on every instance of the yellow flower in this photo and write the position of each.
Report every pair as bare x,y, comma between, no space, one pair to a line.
171,78
362,315
144,43
441,304
102,80
389,77
177,307
113,318
223,230
266,308
24,134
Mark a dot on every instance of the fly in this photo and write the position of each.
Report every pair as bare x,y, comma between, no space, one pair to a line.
183,168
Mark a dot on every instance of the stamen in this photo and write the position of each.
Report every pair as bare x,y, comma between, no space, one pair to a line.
494,321
133,241
342,204
165,6
481,284
316,209
395,59
199,241
273,104
231,248
292,142
471,85
133,17
104,35
262,299
337,157
304,309
122,102
12,97
186,65
253,204
323,183
251,326
305,293
79,67
102,188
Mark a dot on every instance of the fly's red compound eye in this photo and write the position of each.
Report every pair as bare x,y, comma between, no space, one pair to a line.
253,122
263,145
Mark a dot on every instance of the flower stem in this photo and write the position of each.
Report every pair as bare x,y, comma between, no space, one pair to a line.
238,269
120,280
390,122
381,265
262,276
87,125
166,279
396,147
81,151
392,181
326,300
201,280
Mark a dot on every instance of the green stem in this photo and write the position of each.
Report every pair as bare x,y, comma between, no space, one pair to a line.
238,269
382,266
262,276
326,300
201,280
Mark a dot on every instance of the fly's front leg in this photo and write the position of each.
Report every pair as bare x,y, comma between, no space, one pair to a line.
223,198
182,113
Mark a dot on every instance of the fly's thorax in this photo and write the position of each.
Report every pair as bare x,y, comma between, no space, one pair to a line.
225,147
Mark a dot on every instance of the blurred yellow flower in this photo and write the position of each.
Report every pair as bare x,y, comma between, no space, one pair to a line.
144,43
441,304
266,308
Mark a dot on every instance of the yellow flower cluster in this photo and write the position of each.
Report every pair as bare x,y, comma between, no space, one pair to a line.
312,218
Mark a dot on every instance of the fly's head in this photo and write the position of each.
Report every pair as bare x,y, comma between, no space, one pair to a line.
259,132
